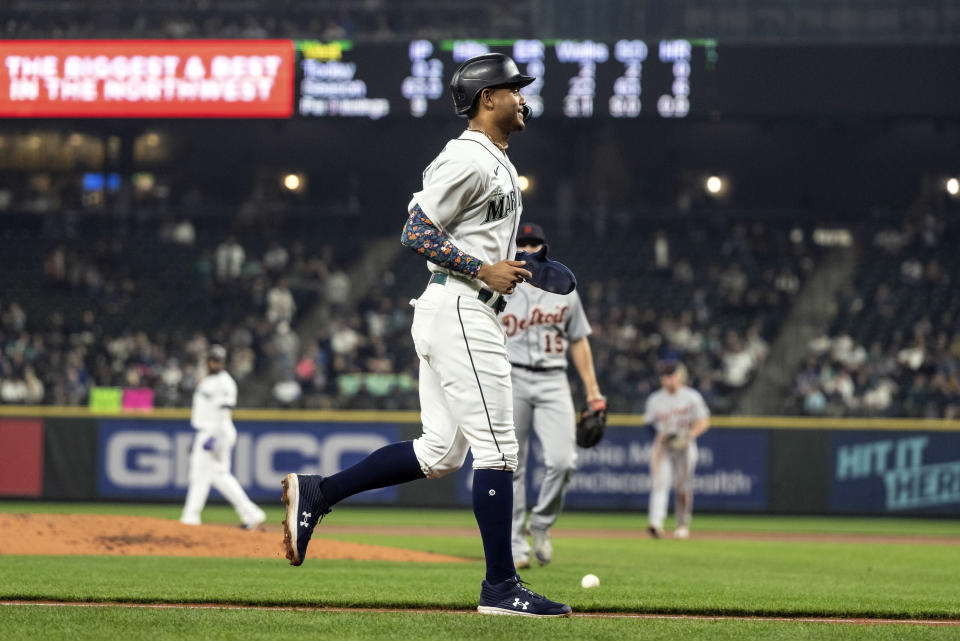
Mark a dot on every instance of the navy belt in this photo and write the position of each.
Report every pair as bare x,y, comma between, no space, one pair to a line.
484,295
533,368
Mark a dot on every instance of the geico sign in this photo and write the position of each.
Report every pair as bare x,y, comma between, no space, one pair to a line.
157,459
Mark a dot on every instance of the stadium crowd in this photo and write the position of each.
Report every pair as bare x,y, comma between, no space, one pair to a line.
711,296
894,347
370,21
717,315
101,318
102,309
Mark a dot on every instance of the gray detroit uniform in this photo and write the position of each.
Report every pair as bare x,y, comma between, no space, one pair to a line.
674,414
540,326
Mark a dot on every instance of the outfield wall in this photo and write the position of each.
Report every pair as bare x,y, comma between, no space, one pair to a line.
776,465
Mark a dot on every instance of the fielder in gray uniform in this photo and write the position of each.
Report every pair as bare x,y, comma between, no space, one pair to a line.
679,415
541,328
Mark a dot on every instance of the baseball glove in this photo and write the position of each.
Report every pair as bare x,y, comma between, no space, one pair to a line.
677,442
591,424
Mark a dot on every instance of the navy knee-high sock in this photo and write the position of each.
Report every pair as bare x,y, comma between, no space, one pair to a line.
493,507
390,465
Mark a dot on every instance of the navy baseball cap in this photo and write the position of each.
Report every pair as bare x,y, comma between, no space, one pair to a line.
531,231
668,366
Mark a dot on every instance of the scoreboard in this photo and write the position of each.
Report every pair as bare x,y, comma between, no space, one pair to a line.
574,78
629,79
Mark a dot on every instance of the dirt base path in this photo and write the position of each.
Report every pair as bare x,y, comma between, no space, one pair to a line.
143,536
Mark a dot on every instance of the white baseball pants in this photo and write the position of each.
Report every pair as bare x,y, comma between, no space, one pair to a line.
465,390
675,468
212,468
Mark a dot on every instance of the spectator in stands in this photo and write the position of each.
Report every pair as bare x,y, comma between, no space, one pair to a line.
738,362
276,258
286,391
229,259
286,347
15,319
242,362
337,290
184,233
280,304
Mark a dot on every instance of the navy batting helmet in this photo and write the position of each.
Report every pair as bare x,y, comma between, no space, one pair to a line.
480,72
531,232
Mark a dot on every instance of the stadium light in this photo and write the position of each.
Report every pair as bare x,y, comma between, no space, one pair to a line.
714,185
524,183
953,186
293,182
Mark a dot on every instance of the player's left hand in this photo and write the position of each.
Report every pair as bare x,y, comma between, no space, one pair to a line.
597,404
591,425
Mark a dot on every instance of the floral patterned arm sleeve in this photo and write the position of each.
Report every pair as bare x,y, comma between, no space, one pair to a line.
423,237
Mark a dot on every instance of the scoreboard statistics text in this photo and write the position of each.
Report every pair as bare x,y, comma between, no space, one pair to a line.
574,78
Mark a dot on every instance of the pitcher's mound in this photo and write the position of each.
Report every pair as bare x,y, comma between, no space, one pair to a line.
142,536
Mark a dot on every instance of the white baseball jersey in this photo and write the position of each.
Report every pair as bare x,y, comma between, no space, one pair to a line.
213,400
471,192
675,413
539,325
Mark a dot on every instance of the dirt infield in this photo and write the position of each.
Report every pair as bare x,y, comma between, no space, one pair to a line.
588,615
141,536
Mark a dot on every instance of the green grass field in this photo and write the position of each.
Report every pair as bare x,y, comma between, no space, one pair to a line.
638,575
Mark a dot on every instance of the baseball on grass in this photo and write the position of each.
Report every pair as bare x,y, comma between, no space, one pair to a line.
590,581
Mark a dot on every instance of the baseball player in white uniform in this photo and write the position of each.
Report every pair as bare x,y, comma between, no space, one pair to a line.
213,402
464,223
541,328
680,416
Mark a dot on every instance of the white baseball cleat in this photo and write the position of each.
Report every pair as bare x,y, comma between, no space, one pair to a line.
681,532
542,547
522,561
255,520
655,531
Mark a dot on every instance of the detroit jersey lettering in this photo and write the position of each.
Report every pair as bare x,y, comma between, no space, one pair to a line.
540,325
471,192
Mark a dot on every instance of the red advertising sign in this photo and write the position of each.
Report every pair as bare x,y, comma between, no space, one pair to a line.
146,78
21,457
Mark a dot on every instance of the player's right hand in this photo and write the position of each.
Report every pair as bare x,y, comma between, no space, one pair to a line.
503,277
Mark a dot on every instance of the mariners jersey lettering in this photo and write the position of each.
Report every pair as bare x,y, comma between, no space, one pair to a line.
471,192
675,413
539,326
214,398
